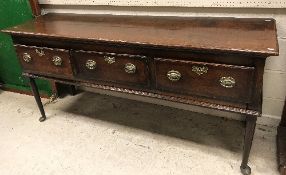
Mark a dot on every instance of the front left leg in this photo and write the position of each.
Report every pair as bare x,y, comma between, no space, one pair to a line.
248,138
37,98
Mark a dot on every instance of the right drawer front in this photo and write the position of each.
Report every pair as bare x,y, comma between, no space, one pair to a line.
204,79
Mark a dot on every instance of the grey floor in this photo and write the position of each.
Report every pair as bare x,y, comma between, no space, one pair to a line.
97,134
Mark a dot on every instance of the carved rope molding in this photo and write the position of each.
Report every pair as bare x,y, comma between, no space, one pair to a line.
155,95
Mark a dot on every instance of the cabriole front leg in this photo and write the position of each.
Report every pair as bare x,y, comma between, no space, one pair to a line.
248,138
37,98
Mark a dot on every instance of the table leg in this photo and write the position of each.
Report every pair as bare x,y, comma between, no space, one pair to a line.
37,98
281,143
249,133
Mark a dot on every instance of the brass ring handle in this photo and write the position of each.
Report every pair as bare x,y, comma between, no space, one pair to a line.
27,57
174,75
227,82
109,59
57,60
130,68
90,64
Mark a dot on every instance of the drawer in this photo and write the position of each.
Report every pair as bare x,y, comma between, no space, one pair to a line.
110,67
218,81
46,61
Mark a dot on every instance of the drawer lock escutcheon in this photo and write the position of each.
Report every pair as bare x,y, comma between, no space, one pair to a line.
109,59
27,57
200,70
174,75
57,60
130,68
227,82
90,64
40,52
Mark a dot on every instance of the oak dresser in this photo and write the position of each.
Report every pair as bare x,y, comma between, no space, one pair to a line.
216,63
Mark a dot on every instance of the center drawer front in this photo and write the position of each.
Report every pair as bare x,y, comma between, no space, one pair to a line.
109,67
205,79
46,61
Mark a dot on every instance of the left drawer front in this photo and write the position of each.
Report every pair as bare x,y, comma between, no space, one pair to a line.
45,61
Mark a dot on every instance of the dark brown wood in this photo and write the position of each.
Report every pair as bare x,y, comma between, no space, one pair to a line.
216,63
42,61
155,52
207,83
37,98
243,35
55,89
198,101
281,143
283,118
256,96
112,72
249,133
35,7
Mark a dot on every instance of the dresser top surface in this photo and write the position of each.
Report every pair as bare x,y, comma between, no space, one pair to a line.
238,35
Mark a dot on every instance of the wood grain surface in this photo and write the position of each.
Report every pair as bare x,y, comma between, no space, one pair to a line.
238,35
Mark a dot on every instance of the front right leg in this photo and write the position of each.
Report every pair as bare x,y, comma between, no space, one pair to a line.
249,133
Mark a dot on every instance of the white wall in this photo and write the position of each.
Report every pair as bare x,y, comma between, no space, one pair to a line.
274,90
177,3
